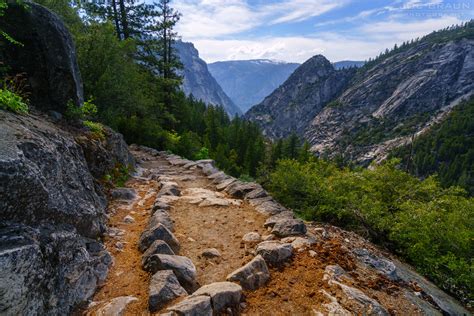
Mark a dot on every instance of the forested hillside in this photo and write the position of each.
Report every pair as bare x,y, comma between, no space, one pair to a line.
446,149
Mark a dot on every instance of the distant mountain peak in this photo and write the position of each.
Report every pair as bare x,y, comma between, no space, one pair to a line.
248,82
198,81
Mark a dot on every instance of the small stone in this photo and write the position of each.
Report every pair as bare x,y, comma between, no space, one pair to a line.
164,287
274,252
182,267
119,245
251,238
222,294
289,227
158,232
128,219
312,253
161,217
157,247
211,253
116,306
252,275
193,306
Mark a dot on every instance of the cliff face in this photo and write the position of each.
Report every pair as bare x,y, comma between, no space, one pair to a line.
292,106
53,212
364,113
198,81
393,99
52,205
248,82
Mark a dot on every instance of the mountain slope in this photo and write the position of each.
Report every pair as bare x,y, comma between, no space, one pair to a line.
248,82
198,81
389,99
291,107
447,149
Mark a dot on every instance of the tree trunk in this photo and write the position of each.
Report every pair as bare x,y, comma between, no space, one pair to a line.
123,15
116,19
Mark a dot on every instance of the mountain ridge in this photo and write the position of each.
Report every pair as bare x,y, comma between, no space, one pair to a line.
248,82
386,100
198,81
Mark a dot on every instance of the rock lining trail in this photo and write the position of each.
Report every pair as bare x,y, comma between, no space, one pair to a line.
189,240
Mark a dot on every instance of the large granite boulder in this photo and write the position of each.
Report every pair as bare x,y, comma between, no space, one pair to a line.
52,213
47,56
44,177
47,270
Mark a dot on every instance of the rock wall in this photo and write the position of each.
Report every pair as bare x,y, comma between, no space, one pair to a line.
47,55
53,213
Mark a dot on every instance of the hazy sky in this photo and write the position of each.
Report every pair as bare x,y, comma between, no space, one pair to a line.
294,30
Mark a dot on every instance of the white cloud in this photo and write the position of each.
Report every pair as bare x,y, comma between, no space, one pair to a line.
367,41
300,10
213,18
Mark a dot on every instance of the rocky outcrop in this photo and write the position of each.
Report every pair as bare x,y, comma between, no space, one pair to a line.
53,212
198,81
292,106
397,96
248,82
364,113
47,56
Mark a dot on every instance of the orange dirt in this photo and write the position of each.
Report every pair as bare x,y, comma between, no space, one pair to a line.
295,289
125,275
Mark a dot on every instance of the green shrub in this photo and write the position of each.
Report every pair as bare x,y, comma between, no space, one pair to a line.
96,129
431,227
12,102
203,153
118,176
86,111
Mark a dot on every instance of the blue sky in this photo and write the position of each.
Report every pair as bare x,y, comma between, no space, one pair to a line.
295,30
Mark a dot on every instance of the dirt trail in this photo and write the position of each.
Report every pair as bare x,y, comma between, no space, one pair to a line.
301,286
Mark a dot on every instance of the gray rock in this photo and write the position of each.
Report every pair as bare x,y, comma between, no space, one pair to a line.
224,184
275,252
169,189
368,306
215,175
45,270
182,267
158,205
239,189
270,208
193,306
222,294
382,265
157,232
116,306
289,227
164,287
211,253
271,221
258,201
252,275
208,169
126,194
48,56
251,238
161,217
256,194
157,247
